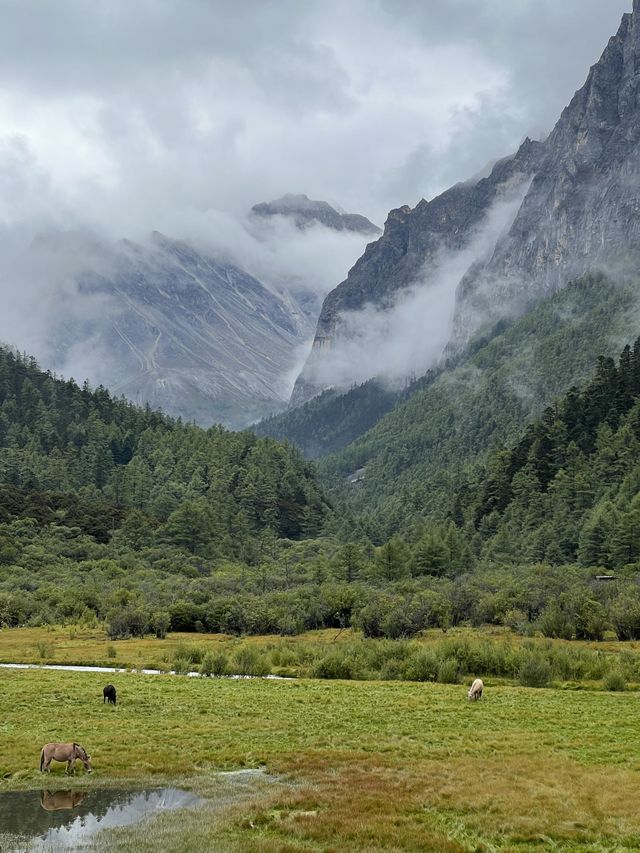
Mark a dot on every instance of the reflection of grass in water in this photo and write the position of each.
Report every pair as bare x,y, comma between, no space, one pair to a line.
376,765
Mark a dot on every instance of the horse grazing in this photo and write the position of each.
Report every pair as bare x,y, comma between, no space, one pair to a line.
475,691
55,801
69,752
109,694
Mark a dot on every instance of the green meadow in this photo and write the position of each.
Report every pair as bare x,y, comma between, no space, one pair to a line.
350,765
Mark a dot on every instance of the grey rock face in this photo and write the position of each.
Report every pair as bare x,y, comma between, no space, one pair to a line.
416,241
583,206
306,212
581,210
165,324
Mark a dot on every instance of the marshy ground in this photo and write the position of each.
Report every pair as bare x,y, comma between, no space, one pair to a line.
358,765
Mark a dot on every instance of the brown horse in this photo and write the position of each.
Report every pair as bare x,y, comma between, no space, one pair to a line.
55,801
69,752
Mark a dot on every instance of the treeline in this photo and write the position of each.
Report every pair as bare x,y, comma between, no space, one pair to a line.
412,460
135,586
331,420
569,490
218,491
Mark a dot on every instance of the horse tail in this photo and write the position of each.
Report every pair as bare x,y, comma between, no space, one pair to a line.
41,759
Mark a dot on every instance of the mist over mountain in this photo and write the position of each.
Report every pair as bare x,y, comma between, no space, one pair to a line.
305,212
213,330
448,268
392,315
161,323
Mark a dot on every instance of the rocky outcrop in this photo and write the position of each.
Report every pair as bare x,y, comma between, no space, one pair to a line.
305,212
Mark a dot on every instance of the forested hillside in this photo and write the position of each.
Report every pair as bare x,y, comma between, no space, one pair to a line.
115,515
332,420
213,491
413,458
569,490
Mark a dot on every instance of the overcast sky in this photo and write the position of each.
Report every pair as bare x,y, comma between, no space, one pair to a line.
162,113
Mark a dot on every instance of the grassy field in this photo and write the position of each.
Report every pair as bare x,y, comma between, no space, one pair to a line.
363,765
90,646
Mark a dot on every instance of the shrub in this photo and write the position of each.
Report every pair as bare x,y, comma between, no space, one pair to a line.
249,661
216,664
334,665
392,670
535,671
128,623
181,665
44,649
190,652
422,666
448,672
516,620
111,651
615,681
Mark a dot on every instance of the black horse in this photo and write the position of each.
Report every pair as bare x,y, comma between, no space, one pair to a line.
109,694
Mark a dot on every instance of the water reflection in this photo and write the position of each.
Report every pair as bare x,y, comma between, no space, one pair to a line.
65,818
55,801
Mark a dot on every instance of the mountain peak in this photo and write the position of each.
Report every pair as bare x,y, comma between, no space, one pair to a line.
306,212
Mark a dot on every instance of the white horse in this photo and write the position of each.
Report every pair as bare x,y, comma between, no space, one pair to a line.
475,691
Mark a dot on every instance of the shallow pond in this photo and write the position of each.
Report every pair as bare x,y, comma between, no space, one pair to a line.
67,818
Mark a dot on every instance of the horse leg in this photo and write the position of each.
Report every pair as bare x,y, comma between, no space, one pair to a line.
70,766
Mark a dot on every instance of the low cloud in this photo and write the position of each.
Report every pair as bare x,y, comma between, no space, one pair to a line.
411,336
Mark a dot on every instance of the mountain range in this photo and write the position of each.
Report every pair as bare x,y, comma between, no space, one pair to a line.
557,288
170,323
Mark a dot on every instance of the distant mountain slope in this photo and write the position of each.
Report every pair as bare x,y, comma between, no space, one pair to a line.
166,324
305,211
330,421
412,459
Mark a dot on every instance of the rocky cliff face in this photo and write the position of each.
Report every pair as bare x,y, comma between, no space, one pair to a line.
415,244
583,206
305,212
581,210
165,324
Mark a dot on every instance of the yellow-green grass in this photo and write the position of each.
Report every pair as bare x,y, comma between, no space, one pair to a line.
90,646
368,765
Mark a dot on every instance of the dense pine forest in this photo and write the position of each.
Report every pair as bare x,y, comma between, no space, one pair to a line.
117,515
410,462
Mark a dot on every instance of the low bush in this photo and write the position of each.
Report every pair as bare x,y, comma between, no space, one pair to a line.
333,665
194,654
214,664
448,672
249,661
535,671
615,681
181,665
422,666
